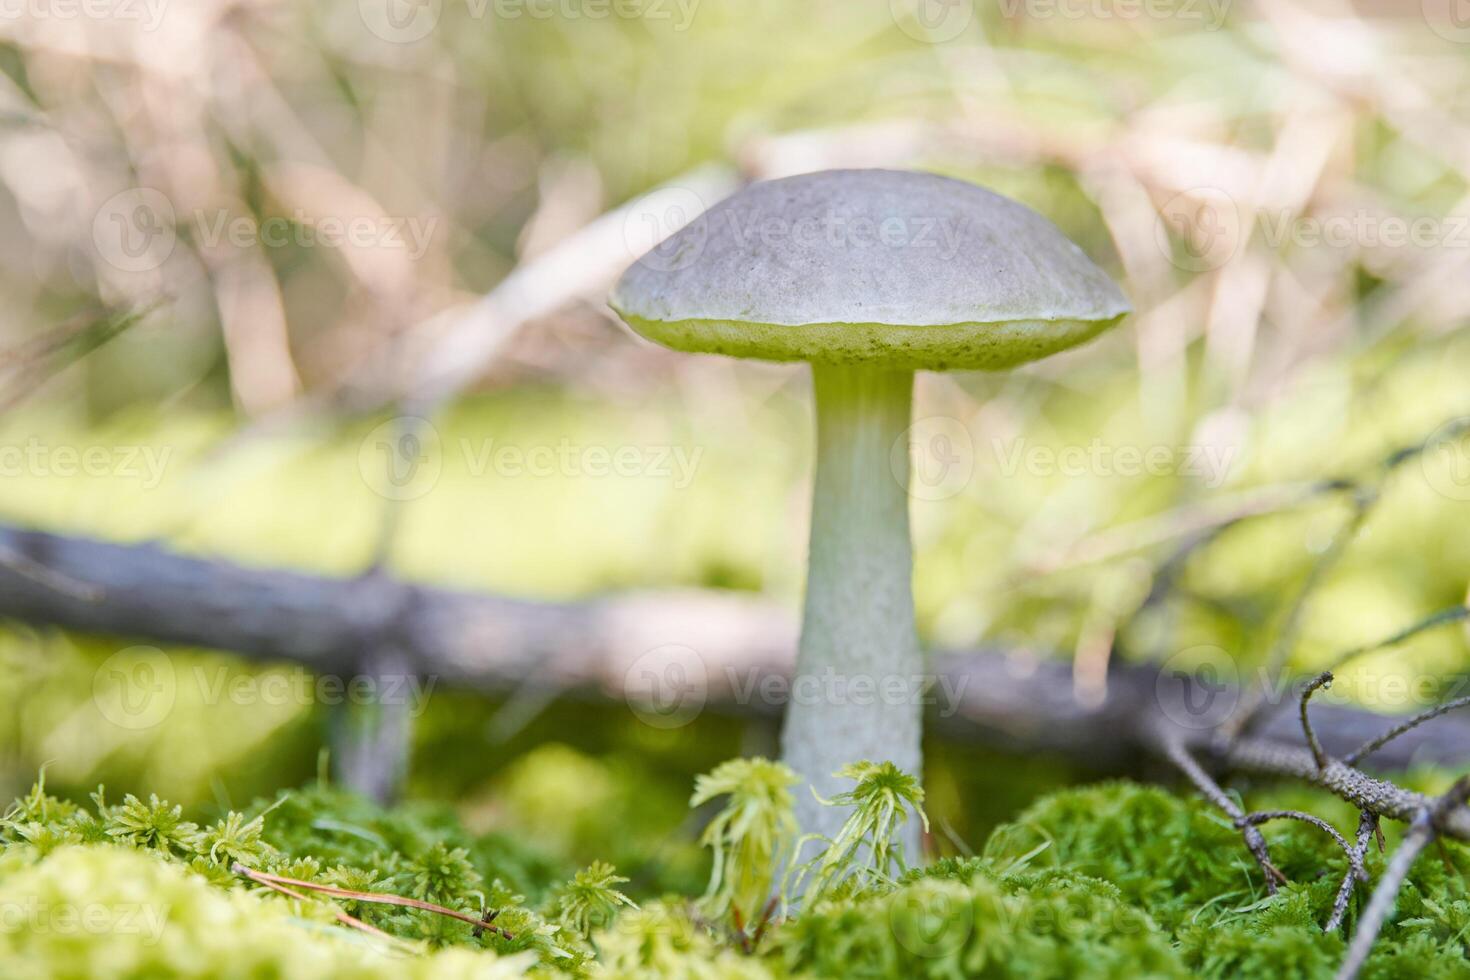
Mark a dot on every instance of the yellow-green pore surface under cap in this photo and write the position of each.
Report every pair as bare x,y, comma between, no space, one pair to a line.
879,266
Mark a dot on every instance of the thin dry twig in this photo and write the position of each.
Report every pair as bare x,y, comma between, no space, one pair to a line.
1354,853
1255,704
767,916
1444,617
1234,748
1254,841
379,898
1425,828
33,368
350,921
1323,679
1267,757
1368,829
1266,816
1256,700
1368,748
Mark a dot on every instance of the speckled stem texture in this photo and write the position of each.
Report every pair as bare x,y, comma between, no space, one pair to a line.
855,694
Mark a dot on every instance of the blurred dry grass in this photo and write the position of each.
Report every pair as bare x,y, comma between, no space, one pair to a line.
499,135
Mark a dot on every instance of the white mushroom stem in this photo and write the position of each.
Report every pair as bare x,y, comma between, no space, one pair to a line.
854,695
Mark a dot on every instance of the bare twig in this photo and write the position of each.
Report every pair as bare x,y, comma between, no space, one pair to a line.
486,918
1254,842
49,359
1269,758
1255,706
1454,614
1250,711
277,885
1427,824
1358,754
1354,854
379,898
1266,816
1323,679
767,916
1444,617
1367,830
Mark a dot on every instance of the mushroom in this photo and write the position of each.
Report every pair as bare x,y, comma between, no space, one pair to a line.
869,275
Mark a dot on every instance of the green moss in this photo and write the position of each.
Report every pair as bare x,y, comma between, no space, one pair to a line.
107,911
1184,865
1051,924
1169,858
1113,880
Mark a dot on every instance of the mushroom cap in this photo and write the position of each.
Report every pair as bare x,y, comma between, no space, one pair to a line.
880,266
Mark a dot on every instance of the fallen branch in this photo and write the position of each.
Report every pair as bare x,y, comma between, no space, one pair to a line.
1355,871
1255,843
735,644
1368,748
1368,829
1427,824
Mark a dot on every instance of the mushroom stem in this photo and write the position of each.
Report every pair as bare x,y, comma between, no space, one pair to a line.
856,691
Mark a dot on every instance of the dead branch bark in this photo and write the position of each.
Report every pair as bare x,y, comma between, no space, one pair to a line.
1428,822
1367,831
1175,749
740,648
1378,796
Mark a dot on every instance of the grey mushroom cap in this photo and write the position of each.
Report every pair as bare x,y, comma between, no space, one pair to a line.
880,266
